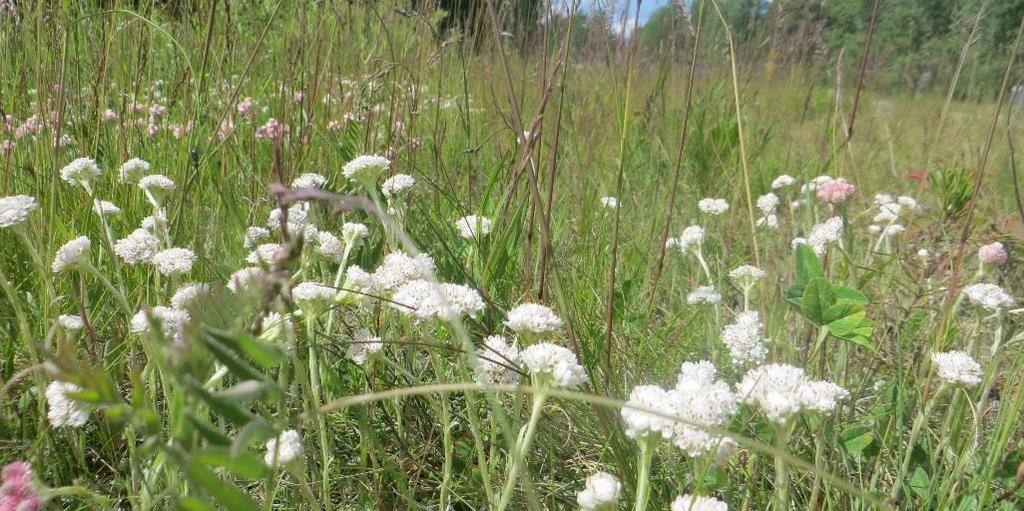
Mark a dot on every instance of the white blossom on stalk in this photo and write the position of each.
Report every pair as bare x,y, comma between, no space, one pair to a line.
989,296
15,209
329,246
188,293
550,364
366,169
63,410
610,202
254,235
72,254
70,322
157,184
264,254
642,425
822,235
473,227
713,206
957,368
745,339
782,182
354,233
600,494
312,297
687,502
703,294
399,268
781,391
443,302
285,449
298,217
364,345
276,327
396,185
747,274
691,239
701,400
80,171
309,180
172,322
496,361
767,203
133,170
173,261
243,280
156,222
138,247
533,318
105,208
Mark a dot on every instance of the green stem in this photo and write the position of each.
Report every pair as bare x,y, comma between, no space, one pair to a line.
118,295
781,470
520,449
914,431
643,483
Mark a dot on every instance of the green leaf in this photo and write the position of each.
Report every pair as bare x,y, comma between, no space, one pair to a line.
841,309
257,430
232,360
194,504
207,431
817,298
267,355
919,483
856,439
244,464
845,326
851,294
808,266
245,391
225,408
225,493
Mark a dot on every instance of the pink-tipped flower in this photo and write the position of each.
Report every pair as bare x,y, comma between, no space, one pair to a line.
836,191
993,253
6,147
18,492
110,115
391,154
299,97
334,126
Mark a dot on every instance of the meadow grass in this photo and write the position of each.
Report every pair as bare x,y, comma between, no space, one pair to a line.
530,138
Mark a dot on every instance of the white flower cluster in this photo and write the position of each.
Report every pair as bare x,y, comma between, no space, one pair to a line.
72,254
473,227
768,203
188,293
691,238
645,426
687,502
701,400
703,294
399,268
713,206
747,274
254,235
80,171
550,364
329,246
396,184
156,184
172,322
957,368
989,296
781,391
366,169
64,411
313,296
533,318
133,170
265,254
298,218
173,261
364,345
104,208
15,209
244,279
138,247
745,339
70,322
782,182
821,235
600,494
496,361
309,180
610,202
425,300
285,449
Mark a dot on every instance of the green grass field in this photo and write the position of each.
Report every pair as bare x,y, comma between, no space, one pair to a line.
126,387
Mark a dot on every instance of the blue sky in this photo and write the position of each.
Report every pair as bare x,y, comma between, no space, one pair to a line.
646,8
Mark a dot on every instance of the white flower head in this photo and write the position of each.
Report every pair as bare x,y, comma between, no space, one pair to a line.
156,184
70,322
298,218
703,294
245,279
359,280
691,239
329,246
782,182
713,206
473,227
610,202
80,171
312,297
285,449
353,233
72,254
701,402
309,180
63,410
156,222
172,322
687,502
399,268
276,327
254,235
496,361
104,208
745,339
823,234
396,185
424,300
188,293
747,275
173,261
643,425
782,391
364,345
550,364
137,247
600,494
15,209
533,318
265,254
133,170
957,368
989,296
366,169
767,203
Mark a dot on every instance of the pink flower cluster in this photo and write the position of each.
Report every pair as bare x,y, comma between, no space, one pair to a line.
272,130
18,492
993,253
835,191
